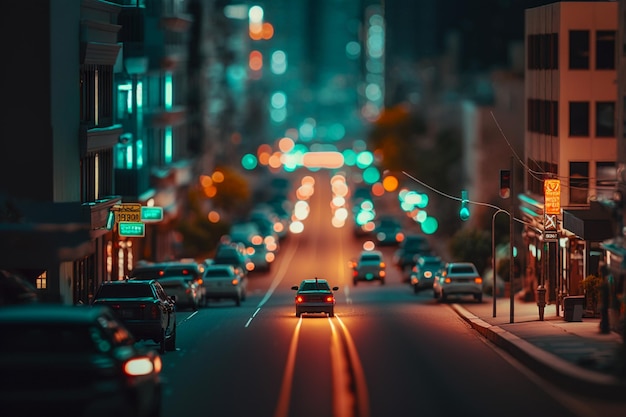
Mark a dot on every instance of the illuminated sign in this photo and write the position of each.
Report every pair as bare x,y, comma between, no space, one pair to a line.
127,212
151,214
132,229
552,196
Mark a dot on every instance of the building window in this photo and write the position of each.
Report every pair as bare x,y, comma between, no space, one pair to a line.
606,179
578,182
579,49
543,51
579,118
605,49
605,119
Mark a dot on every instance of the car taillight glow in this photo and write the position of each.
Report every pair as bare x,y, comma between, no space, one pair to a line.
478,280
381,274
447,280
428,274
139,366
235,282
382,264
329,299
299,299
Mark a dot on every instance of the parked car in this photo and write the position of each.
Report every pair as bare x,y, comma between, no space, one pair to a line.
388,231
144,307
14,289
315,296
186,291
424,272
259,254
65,360
405,257
369,266
190,295
224,281
457,279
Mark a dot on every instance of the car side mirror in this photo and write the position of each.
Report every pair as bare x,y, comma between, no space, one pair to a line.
295,288
335,288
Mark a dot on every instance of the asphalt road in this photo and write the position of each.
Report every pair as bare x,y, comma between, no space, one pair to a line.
387,351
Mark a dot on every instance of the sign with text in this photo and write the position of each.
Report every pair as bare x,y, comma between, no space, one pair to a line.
127,212
151,214
132,229
552,196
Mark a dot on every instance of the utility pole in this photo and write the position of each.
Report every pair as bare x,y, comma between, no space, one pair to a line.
511,244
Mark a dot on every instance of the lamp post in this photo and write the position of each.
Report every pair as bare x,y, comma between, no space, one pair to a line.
493,255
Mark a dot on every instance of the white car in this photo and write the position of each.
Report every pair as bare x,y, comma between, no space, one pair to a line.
224,281
458,279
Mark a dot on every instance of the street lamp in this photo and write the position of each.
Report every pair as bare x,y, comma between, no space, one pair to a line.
493,256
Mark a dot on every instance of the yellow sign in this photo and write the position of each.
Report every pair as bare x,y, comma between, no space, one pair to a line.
127,212
552,196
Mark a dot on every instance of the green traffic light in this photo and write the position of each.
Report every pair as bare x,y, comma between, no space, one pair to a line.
464,213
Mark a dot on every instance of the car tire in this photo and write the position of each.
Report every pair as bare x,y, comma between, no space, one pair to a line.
443,296
415,289
170,342
298,313
238,301
355,282
478,298
382,282
331,313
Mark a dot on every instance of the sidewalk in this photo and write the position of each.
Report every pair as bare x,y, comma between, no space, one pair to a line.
573,355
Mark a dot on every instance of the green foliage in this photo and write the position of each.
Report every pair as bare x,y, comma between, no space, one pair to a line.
592,285
200,237
503,268
471,245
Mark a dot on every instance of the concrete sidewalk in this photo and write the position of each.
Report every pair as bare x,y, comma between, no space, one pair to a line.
572,354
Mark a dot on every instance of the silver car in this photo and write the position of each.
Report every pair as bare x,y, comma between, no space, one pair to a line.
458,279
224,281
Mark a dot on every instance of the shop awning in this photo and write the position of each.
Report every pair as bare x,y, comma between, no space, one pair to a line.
593,224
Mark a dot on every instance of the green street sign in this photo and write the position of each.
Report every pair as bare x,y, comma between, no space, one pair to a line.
151,214
131,229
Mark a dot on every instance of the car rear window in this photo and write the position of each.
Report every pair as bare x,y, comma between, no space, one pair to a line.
312,286
124,291
463,269
370,258
47,338
216,273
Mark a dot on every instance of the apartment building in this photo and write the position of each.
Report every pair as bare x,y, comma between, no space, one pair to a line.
570,135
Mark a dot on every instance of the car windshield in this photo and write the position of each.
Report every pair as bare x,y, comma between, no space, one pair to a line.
370,258
313,286
124,291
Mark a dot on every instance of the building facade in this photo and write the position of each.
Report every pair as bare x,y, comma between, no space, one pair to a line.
570,136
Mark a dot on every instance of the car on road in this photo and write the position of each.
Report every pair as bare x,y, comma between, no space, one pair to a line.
315,296
233,253
406,255
458,279
74,360
424,272
369,266
388,231
144,307
189,269
224,281
185,291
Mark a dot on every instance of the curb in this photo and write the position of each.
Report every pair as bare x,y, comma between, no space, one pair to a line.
549,366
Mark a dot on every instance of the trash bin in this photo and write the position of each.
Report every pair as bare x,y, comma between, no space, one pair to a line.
573,307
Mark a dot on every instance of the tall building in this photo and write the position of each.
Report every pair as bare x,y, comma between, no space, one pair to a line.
570,137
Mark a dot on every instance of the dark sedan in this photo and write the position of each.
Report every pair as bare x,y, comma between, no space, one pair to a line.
71,361
315,296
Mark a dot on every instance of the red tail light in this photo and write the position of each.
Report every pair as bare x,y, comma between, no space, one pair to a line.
330,299
299,299
478,280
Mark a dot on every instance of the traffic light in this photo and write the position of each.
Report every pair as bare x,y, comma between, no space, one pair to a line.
505,183
464,213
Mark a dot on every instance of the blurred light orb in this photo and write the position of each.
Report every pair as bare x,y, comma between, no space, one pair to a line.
278,100
249,161
337,223
341,213
213,216
377,189
364,159
371,175
296,227
390,183
278,115
430,225
217,176
353,50
285,144
369,245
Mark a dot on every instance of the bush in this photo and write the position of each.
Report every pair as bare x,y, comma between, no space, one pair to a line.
471,245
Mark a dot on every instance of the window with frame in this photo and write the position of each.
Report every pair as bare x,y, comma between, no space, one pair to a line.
579,118
578,182
605,49
578,49
605,119
606,179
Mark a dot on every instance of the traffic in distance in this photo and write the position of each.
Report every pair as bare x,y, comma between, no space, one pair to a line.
308,337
